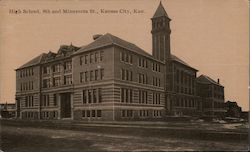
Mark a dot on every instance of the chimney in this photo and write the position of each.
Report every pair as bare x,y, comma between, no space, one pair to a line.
218,81
96,36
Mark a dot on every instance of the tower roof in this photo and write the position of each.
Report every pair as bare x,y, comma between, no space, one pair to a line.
160,11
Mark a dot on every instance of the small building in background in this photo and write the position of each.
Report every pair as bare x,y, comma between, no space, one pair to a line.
233,110
7,110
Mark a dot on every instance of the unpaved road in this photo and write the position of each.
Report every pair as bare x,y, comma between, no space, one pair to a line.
25,139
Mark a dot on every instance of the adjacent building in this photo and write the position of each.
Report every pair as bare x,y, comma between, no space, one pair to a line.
211,94
109,79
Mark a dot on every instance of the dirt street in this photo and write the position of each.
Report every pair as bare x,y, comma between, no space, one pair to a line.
25,139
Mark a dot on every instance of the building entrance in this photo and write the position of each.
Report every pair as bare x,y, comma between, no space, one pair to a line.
18,108
65,105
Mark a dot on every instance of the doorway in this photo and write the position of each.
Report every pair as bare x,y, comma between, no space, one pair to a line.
18,108
65,105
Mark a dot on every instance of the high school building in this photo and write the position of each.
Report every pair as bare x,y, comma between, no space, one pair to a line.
110,79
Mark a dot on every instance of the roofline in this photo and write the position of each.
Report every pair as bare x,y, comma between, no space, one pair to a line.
186,65
115,44
215,83
149,55
27,67
91,49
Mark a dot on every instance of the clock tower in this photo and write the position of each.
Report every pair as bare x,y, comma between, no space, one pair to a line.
161,34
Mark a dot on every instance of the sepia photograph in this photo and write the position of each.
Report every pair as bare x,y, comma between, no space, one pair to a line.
127,75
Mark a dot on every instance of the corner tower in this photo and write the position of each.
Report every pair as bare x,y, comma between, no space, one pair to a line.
161,34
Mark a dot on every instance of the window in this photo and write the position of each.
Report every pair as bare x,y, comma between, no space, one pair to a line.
91,58
130,113
126,95
142,62
99,113
127,113
81,77
89,96
88,113
131,96
45,101
46,83
94,96
56,68
102,74
100,95
123,113
68,79
81,60
26,101
101,55
56,81
91,75
156,81
93,113
96,56
55,100
131,76
123,74
86,59
122,95
84,96
83,113
156,67
86,76
126,57
68,65
156,98
143,96
46,70
32,85
126,75
143,113
142,78
96,74
156,113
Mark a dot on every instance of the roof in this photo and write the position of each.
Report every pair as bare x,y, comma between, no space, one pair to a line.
176,59
109,39
64,51
207,79
160,11
33,62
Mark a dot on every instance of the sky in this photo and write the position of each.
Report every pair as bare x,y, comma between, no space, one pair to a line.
210,35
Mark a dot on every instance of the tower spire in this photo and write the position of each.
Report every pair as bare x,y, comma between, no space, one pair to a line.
160,11
161,34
